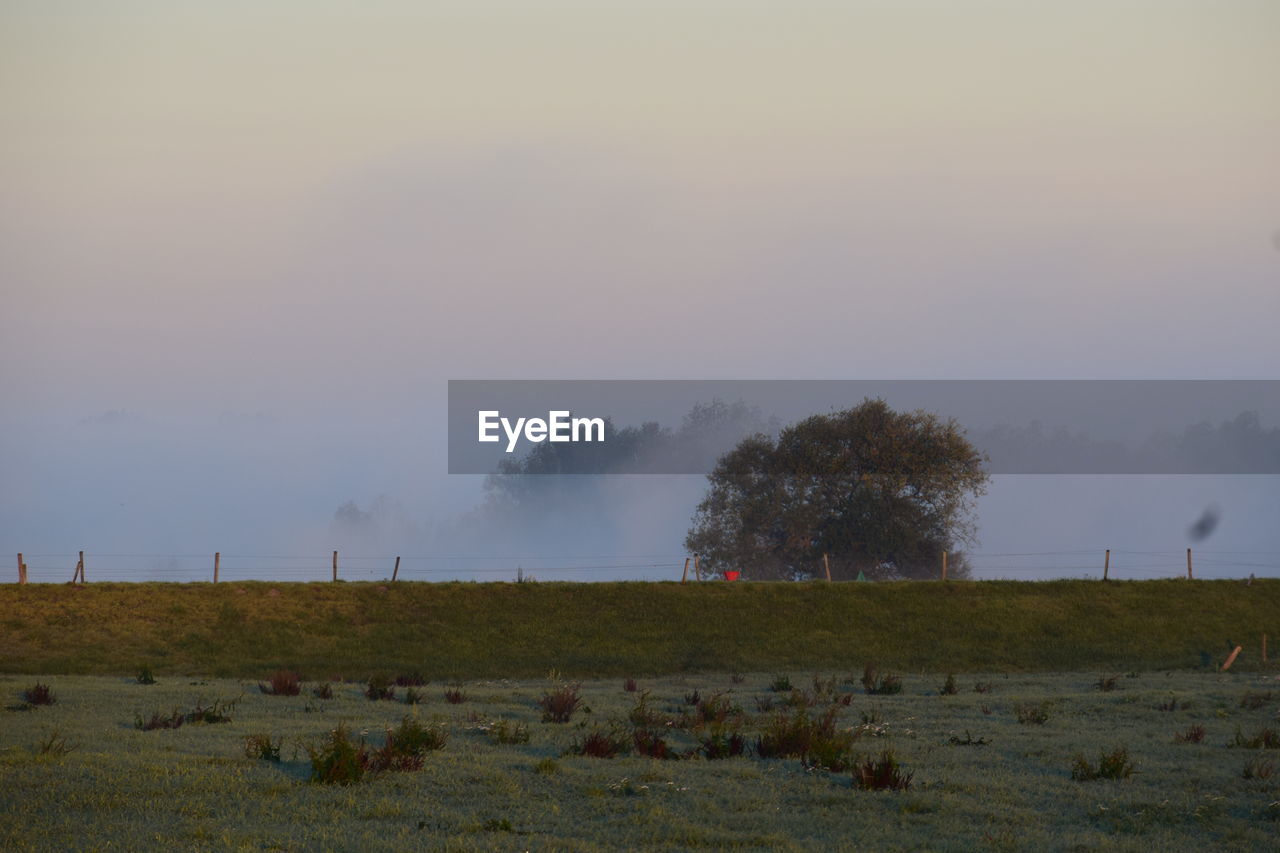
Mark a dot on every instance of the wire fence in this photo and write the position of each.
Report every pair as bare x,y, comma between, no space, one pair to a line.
1085,563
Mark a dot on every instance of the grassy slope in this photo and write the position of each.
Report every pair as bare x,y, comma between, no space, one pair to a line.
468,630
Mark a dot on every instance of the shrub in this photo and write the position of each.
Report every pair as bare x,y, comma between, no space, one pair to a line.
55,745
412,679
1107,683
876,683
600,744
283,682
455,696
716,709
1267,738
39,694
144,675
1254,701
882,773
261,747
508,731
323,691
781,684
1194,734
339,760
949,687
722,743
1111,765
1258,768
1036,715
559,703
651,744
630,685
379,689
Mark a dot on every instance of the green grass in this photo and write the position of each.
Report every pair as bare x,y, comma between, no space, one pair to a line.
471,630
980,780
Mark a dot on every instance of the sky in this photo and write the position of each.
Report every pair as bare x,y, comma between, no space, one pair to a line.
244,245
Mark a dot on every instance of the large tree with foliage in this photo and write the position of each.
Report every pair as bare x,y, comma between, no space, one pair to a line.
878,491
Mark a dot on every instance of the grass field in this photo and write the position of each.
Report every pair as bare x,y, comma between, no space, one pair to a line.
494,630
195,788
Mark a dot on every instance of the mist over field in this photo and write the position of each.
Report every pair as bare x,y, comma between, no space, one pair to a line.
243,247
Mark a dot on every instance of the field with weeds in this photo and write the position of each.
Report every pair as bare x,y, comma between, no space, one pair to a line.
872,757
496,630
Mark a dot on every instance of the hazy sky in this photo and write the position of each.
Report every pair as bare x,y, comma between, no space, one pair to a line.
270,231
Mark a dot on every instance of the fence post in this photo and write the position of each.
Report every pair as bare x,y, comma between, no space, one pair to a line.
1106,564
1231,658
944,565
826,564
22,569
217,558
335,566
1189,575
396,571
79,569
685,577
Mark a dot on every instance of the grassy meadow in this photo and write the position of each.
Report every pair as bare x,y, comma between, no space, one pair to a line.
980,778
510,630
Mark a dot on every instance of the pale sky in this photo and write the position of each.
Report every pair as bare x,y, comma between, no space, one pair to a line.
321,211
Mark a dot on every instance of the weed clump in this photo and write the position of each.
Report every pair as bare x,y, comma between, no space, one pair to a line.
722,743
547,767
55,745
1267,738
652,745
1032,715
339,760
601,744
1107,683
967,740
455,696
949,687
323,691
781,684
813,740
1254,701
882,773
1193,734
412,679
983,687
559,703
508,731
201,714
876,683
283,682
1111,765
39,694
144,675
1258,768
262,747
379,689
630,685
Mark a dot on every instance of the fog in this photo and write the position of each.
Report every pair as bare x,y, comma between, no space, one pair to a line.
244,247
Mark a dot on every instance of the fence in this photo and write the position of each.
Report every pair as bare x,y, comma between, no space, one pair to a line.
1093,563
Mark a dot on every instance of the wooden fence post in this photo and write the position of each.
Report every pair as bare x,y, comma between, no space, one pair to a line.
944,565
335,566
826,564
22,569
1106,564
79,569
1231,658
684,578
396,571
1189,575
217,558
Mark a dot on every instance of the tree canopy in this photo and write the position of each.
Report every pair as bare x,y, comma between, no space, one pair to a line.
878,491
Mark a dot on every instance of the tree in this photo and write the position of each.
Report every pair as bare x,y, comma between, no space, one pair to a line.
878,491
